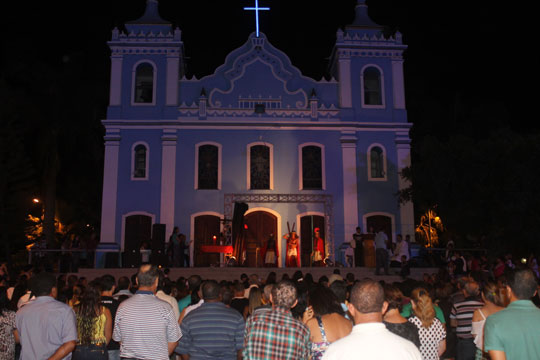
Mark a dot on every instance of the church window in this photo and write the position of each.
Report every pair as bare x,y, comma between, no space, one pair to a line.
144,84
140,162
208,167
312,168
376,163
372,86
260,157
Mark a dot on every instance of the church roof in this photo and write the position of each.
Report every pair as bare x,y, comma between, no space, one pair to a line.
362,18
150,16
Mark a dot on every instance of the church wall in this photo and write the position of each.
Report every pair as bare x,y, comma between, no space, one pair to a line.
138,195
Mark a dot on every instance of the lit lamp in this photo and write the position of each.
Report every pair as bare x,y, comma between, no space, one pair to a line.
214,239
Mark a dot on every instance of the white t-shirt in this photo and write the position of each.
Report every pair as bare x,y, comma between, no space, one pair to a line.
372,341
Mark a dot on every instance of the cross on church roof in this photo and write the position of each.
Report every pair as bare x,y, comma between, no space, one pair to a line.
257,9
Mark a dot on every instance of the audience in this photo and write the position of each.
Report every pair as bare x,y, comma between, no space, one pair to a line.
94,325
392,318
107,284
431,331
8,330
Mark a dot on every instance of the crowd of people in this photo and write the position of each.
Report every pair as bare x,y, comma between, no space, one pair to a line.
151,316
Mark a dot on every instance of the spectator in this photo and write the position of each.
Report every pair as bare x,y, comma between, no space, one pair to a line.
265,299
381,251
253,281
45,315
461,318
493,299
239,301
94,325
514,333
328,323
392,318
75,298
255,301
340,291
369,336
194,283
213,331
8,330
146,326
107,283
160,294
275,334
430,330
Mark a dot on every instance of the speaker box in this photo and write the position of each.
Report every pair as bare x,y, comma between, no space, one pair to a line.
111,259
158,238
131,259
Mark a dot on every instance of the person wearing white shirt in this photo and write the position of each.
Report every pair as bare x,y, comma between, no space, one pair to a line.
369,336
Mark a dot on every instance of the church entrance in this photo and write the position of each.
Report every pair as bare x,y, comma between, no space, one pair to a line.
138,229
205,228
260,224
307,224
376,222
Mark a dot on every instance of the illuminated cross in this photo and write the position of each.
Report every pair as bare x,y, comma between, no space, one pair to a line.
257,9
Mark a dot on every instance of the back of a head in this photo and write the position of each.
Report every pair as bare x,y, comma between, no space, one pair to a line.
323,301
494,293
123,283
267,291
238,288
393,296
471,288
367,296
284,294
194,282
42,284
339,288
255,299
253,279
107,282
226,294
210,290
423,308
523,283
147,275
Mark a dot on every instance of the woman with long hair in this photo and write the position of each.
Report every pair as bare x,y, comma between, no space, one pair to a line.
328,323
94,325
392,318
494,300
8,331
430,330
255,300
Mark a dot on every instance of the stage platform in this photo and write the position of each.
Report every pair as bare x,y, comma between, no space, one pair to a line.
233,273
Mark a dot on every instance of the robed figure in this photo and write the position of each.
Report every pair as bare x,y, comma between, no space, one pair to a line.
318,251
292,258
269,252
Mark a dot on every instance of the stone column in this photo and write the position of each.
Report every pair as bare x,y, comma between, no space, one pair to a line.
168,177
345,96
350,183
406,211
398,84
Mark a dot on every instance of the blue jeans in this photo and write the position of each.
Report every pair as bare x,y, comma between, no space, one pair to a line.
466,350
90,352
381,259
114,354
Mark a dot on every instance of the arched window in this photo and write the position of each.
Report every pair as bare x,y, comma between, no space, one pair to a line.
208,167
260,167
140,162
312,168
144,84
376,163
372,86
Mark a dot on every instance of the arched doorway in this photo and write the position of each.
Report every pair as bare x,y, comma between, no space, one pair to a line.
138,228
205,228
378,222
307,224
260,224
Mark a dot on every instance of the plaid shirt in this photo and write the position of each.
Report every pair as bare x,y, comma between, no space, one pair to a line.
276,335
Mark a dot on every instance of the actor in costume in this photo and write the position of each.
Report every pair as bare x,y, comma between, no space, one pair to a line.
292,259
269,252
318,252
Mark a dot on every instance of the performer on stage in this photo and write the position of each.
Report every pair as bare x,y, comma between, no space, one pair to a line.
318,252
292,259
269,252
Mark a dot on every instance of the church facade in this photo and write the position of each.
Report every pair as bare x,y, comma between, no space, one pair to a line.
314,153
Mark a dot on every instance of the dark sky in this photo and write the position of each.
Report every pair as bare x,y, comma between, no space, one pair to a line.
480,53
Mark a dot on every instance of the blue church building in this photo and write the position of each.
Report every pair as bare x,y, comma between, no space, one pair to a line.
317,153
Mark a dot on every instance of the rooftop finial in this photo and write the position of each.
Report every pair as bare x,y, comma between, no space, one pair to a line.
257,9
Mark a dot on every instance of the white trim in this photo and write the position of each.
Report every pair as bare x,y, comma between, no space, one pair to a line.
323,165
248,163
124,216
374,213
147,160
278,236
192,232
383,100
196,180
385,167
154,83
299,229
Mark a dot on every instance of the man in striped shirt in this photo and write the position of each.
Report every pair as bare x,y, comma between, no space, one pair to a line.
461,318
146,326
212,331
275,334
